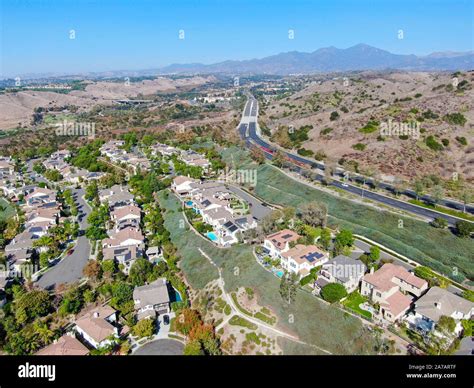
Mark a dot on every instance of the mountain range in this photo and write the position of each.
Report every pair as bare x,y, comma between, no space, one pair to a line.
332,59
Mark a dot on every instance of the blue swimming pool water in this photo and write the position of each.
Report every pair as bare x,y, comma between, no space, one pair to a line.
211,236
279,274
189,203
176,296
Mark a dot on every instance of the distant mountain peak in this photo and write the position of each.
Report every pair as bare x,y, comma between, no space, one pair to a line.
329,59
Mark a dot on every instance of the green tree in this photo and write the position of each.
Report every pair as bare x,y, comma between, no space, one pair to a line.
193,348
30,305
464,228
333,292
288,287
374,253
144,328
344,238
140,271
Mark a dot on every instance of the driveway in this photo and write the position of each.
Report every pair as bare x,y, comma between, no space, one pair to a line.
69,269
161,347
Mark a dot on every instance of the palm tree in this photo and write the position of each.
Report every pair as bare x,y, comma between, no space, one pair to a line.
43,332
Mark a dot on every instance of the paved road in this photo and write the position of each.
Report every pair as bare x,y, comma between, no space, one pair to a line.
248,130
257,209
69,270
161,347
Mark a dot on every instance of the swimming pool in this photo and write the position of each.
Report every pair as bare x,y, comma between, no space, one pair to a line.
211,236
189,203
279,273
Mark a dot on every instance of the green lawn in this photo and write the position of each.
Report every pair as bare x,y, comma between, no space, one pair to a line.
309,318
9,210
436,248
353,301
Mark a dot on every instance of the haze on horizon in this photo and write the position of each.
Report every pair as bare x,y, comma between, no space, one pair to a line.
93,36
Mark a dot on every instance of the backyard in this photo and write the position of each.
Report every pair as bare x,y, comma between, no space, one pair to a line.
353,301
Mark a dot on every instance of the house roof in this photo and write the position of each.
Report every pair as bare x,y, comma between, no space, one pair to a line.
218,213
125,211
151,294
179,180
123,235
279,239
344,268
64,346
129,251
397,303
382,279
304,253
94,323
437,302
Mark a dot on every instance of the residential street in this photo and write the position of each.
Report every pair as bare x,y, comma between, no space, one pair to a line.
69,270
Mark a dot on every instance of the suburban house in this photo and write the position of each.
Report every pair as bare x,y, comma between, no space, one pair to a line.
343,270
182,185
42,215
125,256
302,258
152,299
40,196
125,237
436,303
217,217
116,196
393,288
126,216
97,328
163,149
192,158
277,243
67,345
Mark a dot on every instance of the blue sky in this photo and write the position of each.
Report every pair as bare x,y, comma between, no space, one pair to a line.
141,34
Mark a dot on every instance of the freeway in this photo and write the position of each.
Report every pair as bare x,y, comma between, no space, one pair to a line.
69,269
248,130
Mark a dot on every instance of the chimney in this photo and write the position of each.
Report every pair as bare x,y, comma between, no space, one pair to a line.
96,314
438,305
372,269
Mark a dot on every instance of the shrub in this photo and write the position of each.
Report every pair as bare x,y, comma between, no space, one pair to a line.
326,131
370,127
464,228
359,146
334,116
433,144
333,292
439,223
455,119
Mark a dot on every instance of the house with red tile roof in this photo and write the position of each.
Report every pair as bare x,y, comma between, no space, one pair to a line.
97,326
277,243
67,345
302,258
394,288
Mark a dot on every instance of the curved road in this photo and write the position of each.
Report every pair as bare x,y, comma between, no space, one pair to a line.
248,131
69,269
161,347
